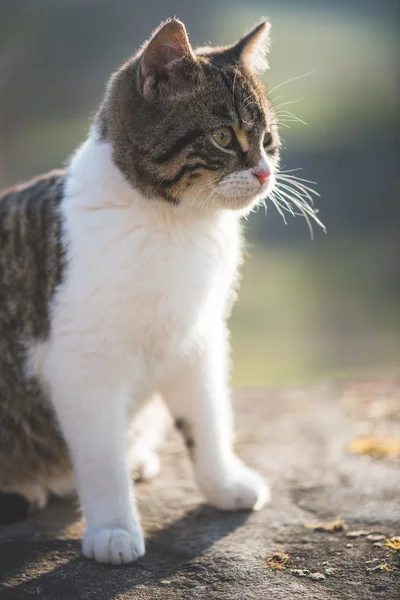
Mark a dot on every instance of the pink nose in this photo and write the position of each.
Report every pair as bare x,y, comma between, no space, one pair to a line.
262,176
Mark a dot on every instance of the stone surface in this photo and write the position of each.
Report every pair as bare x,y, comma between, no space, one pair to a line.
298,438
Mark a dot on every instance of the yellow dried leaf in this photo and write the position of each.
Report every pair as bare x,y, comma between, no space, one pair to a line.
277,560
394,543
328,527
379,447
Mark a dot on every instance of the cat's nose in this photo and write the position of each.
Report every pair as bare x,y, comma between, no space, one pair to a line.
262,175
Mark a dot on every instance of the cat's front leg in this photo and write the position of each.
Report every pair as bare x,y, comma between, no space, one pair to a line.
199,401
91,407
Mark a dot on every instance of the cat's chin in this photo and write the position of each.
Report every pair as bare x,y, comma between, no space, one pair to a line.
242,204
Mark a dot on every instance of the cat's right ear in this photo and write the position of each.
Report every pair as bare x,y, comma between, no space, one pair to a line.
167,61
251,50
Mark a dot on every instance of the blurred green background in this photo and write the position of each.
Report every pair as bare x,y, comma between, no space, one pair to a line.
307,310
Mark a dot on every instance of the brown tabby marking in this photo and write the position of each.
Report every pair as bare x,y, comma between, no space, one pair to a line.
31,268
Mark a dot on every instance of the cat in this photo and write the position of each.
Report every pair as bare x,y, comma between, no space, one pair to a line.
117,276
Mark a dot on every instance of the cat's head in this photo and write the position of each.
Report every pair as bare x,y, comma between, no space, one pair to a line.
194,127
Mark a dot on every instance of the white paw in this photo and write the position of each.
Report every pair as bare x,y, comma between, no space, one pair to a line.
115,546
148,467
237,488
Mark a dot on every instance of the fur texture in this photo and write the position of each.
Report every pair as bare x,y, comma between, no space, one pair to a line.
133,278
32,261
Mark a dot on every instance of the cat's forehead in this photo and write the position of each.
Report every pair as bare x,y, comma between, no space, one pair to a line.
233,96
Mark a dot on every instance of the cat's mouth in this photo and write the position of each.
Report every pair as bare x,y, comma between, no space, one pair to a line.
247,194
236,192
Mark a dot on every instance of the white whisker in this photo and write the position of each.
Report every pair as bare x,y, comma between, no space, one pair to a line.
285,206
277,98
305,214
283,121
279,209
233,86
249,104
192,203
289,80
290,192
283,174
299,193
299,185
292,170
281,124
214,194
288,115
298,199
288,102
304,208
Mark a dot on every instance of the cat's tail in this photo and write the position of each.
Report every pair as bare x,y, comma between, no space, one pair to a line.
13,507
17,504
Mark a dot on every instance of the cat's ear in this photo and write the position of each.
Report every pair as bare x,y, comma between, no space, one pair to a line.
251,50
167,59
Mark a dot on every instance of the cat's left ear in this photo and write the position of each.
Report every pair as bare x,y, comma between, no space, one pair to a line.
167,61
251,50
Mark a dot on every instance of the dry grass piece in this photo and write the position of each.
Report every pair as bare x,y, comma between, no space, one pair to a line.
327,527
307,573
356,534
276,561
382,567
378,447
394,543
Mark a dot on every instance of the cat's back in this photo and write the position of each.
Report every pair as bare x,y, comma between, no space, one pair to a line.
31,267
42,191
31,254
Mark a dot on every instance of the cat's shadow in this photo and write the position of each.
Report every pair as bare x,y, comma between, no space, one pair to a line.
171,549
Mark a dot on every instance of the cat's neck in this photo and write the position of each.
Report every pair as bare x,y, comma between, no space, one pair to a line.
94,183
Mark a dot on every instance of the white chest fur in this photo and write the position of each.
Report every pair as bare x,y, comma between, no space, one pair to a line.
144,279
140,310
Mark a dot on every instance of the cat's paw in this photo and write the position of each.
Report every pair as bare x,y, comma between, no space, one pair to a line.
116,546
239,488
148,467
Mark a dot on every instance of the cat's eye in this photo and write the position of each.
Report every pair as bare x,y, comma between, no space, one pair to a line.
224,137
267,141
